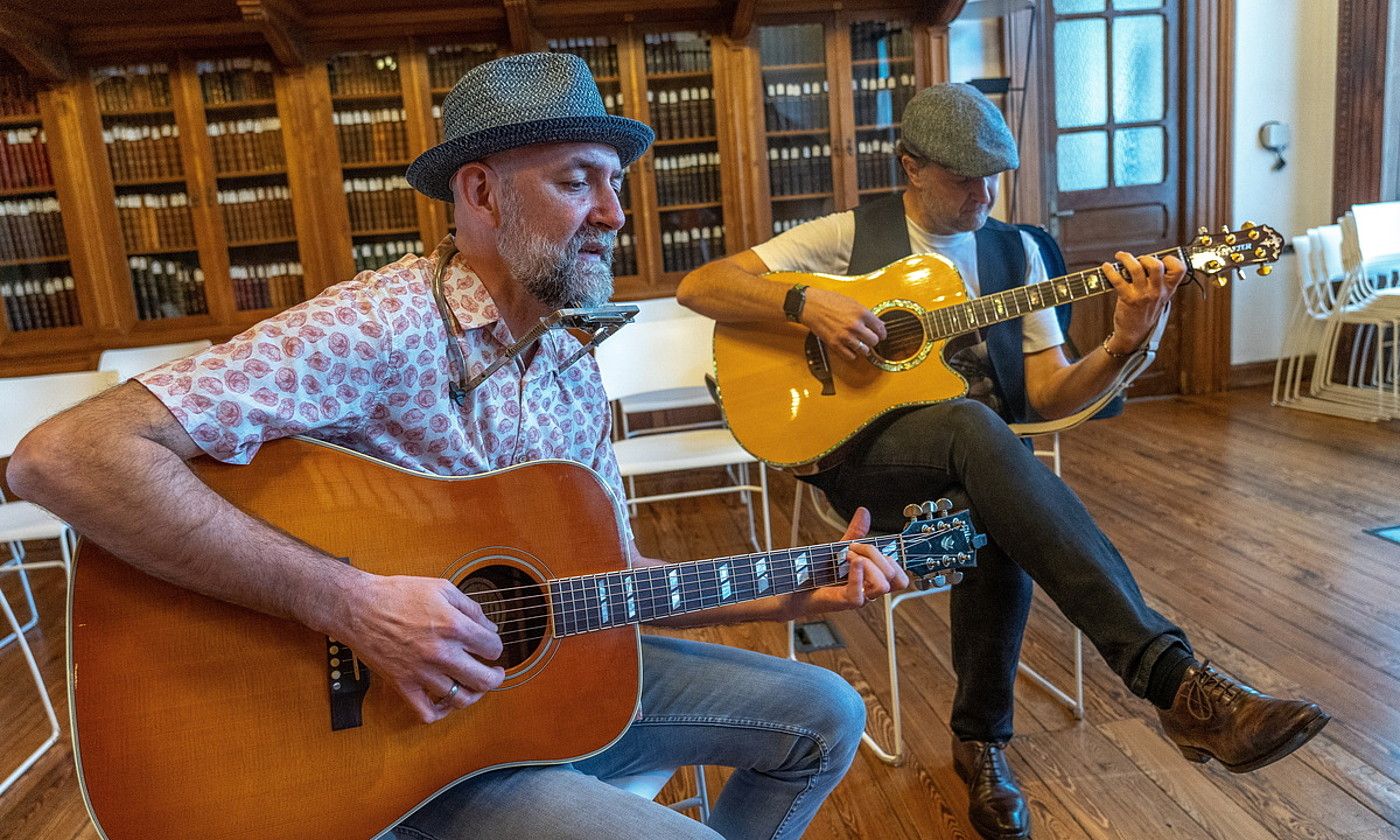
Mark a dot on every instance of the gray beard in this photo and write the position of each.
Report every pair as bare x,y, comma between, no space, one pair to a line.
555,275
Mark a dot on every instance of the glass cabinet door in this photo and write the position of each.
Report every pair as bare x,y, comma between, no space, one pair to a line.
686,160
36,279
142,138
882,83
797,122
368,114
250,168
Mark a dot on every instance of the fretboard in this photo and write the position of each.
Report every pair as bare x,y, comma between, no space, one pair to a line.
991,309
596,602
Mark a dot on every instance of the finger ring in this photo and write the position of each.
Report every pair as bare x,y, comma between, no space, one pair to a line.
451,692
860,346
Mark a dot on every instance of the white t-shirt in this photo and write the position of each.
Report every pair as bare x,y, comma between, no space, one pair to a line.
823,246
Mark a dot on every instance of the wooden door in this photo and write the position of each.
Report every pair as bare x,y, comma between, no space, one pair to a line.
1112,128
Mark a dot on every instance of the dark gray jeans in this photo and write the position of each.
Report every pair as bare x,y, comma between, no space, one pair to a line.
1037,530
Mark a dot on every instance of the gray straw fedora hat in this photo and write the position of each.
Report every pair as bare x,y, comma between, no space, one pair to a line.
521,100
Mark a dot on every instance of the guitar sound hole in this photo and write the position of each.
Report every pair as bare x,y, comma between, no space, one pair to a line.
904,336
517,604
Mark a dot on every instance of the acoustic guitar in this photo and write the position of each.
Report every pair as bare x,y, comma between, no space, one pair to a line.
790,402
196,718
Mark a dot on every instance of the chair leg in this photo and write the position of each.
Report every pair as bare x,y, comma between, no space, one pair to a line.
763,499
702,793
896,755
43,699
17,558
796,511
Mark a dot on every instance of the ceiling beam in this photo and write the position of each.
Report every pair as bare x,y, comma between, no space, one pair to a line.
742,22
524,37
36,44
281,25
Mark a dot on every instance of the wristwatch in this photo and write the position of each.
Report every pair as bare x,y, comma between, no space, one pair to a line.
793,303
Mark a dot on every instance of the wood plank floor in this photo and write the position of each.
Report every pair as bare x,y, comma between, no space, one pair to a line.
1244,523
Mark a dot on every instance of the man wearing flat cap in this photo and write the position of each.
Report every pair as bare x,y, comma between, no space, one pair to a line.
954,145
380,364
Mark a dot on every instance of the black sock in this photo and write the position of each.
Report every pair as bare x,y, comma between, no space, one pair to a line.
1167,674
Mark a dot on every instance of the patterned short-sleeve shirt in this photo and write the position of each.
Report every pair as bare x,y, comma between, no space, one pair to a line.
364,365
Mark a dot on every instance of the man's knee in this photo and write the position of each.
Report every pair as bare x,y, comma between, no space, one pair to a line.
971,417
836,712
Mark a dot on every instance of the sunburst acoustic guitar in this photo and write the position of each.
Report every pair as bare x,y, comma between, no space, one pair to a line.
790,402
195,718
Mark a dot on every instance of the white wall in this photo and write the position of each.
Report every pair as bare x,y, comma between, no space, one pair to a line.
1285,69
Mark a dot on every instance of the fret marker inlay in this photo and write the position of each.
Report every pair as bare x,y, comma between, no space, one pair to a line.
603,598
799,566
674,581
725,590
760,573
627,587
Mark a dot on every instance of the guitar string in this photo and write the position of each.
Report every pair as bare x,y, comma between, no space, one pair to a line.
590,612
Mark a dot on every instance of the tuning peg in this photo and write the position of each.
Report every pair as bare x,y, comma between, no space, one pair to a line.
1230,239
1222,280
1265,270
913,511
955,577
1203,240
944,506
1214,265
1260,253
1224,228
1203,231
1247,225
1254,234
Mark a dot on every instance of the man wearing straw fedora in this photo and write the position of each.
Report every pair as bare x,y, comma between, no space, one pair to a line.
532,164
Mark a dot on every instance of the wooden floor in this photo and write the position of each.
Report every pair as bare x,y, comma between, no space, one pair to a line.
1244,524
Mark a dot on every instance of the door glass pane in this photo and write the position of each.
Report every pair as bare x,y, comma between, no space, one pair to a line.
1075,7
882,83
1139,61
1083,160
1134,5
1139,156
1081,72
797,122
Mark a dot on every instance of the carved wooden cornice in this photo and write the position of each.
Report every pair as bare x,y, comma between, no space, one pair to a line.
36,44
281,24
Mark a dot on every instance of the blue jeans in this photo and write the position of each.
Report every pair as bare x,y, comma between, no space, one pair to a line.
1037,529
789,729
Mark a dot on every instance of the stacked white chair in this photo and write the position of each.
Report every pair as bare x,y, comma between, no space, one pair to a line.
24,403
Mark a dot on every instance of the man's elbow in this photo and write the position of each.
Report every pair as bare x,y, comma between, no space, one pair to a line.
688,292
35,465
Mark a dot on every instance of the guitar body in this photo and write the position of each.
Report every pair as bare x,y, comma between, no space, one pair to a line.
770,378
196,718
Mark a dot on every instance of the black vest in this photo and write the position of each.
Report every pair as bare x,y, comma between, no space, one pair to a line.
882,236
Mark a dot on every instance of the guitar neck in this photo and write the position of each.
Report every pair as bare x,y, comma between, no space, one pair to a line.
587,603
986,310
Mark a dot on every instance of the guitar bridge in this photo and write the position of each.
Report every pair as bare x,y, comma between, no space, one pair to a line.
348,681
819,365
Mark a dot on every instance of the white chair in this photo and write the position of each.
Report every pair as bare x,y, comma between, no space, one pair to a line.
1048,430
648,786
24,403
129,361
654,356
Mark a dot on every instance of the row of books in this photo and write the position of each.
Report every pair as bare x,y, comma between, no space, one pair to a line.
40,303
31,227
676,52
135,87
267,285
796,105
18,95
683,112
230,80
257,213
143,151
881,99
682,250
447,64
370,136
624,261
167,288
599,53
155,221
249,145
877,165
363,73
782,225
612,102
24,159
687,179
799,170
802,44
378,203
371,255
881,39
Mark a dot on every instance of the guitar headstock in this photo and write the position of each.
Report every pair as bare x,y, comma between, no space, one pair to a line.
1219,254
938,544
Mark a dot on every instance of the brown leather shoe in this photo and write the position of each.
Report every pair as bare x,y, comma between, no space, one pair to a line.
996,805
1214,716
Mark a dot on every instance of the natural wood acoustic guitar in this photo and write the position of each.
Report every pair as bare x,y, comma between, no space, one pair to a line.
790,401
194,718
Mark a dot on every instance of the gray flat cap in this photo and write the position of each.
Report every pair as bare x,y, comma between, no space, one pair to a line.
958,128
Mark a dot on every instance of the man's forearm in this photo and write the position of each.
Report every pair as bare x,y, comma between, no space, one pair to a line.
728,290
